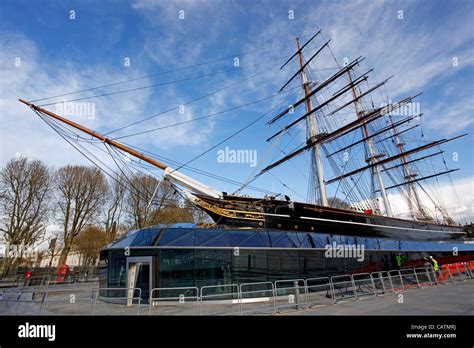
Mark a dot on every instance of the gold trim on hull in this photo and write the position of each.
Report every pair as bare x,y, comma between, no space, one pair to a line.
229,213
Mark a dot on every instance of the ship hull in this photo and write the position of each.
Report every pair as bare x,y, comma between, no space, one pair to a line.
281,215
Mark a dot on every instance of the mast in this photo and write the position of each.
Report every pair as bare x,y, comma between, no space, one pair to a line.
169,172
409,176
313,132
372,156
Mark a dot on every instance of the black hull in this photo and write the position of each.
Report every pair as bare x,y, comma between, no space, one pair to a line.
282,215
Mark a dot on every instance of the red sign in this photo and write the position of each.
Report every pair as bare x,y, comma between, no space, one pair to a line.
63,271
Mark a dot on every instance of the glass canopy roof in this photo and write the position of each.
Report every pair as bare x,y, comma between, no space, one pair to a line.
187,235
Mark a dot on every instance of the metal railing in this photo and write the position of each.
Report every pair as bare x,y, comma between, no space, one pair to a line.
226,299
67,302
319,291
220,300
381,281
290,294
257,298
343,287
174,301
123,304
409,278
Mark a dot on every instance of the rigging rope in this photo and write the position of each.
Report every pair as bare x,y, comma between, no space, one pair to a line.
156,74
163,83
195,100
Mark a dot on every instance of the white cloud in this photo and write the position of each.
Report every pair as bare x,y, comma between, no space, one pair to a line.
419,55
459,203
451,119
24,133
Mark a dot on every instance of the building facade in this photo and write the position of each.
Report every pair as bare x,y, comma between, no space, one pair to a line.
184,256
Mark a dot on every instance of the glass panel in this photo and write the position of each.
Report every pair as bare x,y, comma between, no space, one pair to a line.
299,239
212,238
146,237
219,239
312,264
253,240
265,237
127,241
213,267
177,237
319,240
280,239
143,281
282,264
249,266
238,237
104,268
176,268
117,269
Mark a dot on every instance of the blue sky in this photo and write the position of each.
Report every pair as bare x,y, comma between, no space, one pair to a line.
59,54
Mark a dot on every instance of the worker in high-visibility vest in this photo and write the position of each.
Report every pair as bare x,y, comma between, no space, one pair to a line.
435,263
399,260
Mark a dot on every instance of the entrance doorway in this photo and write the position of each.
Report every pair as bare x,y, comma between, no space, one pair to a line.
139,275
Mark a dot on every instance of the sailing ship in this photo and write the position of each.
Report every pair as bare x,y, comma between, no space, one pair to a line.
372,127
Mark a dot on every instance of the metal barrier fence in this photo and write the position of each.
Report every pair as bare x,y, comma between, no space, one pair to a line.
220,300
228,299
257,298
290,294
409,279
463,271
381,281
116,301
30,302
174,301
364,284
67,302
425,277
343,287
22,282
8,301
319,291
396,281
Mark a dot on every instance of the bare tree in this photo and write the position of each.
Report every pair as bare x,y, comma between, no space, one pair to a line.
114,208
82,191
54,246
201,218
89,242
25,188
147,195
172,213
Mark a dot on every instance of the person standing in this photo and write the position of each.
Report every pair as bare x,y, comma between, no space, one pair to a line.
399,260
435,264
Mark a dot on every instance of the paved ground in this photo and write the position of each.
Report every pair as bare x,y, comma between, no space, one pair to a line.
452,299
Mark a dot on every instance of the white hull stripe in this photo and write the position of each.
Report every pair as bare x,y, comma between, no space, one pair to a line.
363,224
281,215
